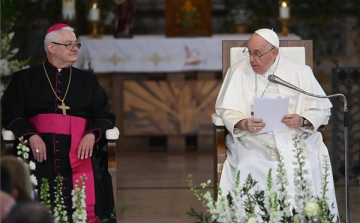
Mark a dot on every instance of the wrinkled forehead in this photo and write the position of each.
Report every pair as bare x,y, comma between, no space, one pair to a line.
256,42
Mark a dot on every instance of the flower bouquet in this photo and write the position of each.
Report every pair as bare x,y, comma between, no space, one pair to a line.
247,203
57,207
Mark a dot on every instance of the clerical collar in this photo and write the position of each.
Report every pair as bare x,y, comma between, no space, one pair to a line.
52,67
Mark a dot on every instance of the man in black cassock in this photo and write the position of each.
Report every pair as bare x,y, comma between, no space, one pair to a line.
63,112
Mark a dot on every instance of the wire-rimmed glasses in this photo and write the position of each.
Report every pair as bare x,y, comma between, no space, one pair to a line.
69,46
256,55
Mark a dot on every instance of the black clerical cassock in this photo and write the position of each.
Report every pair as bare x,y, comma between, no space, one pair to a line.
62,106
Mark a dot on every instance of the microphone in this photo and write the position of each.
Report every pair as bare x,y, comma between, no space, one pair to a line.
277,80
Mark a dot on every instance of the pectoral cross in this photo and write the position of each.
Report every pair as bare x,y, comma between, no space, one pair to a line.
63,107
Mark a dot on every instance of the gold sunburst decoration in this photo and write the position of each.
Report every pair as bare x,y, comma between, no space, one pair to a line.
168,107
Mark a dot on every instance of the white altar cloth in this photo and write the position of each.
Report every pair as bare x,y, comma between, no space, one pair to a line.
150,53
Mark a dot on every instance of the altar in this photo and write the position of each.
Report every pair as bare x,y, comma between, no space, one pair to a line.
155,53
162,90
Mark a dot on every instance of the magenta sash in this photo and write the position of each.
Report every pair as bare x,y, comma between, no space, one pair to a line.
74,126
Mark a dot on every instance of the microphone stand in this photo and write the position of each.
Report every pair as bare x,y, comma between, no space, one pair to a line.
275,79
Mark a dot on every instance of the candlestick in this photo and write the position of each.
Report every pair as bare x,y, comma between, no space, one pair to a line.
284,10
94,32
284,27
284,16
94,13
94,17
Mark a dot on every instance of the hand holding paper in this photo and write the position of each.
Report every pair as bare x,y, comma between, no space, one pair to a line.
271,111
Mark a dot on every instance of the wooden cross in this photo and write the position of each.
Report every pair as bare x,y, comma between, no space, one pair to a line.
63,107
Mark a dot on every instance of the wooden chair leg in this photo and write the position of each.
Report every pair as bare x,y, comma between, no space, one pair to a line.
8,147
112,162
220,156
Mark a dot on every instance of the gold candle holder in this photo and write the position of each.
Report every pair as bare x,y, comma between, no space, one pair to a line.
284,16
94,32
284,27
94,18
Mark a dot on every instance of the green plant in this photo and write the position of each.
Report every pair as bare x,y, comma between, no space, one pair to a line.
247,203
8,64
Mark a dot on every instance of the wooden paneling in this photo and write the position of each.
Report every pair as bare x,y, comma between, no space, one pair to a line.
168,107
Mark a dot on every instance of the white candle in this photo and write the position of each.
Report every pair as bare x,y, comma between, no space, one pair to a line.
284,11
94,13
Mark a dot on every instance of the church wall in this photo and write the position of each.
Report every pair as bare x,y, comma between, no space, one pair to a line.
335,41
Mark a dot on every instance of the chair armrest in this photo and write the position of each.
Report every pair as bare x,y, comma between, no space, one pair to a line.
217,120
7,135
9,138
112,134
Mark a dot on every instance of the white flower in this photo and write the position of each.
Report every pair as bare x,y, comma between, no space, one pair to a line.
33,180
78,199
276,206
7,64
4,65
312,209
252,220
11,35
32,165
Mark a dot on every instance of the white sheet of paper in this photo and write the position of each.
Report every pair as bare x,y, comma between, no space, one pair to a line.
271,111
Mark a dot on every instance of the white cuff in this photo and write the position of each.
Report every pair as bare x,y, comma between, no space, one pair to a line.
238,132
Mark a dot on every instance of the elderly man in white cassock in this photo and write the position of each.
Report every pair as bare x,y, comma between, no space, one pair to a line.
251,151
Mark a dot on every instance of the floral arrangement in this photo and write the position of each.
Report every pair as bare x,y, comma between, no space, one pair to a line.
23,153
58,208
78,199
8,64
243,203
59,212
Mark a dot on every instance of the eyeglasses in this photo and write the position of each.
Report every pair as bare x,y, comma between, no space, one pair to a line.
68,46
256,55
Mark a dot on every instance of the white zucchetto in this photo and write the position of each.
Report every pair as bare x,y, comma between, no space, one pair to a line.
269,35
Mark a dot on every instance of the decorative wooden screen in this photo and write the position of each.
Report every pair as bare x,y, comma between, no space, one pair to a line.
346,80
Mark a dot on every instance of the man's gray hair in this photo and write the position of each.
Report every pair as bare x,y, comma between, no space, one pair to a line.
53,37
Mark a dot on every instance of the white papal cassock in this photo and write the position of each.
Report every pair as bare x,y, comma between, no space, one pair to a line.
254,153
